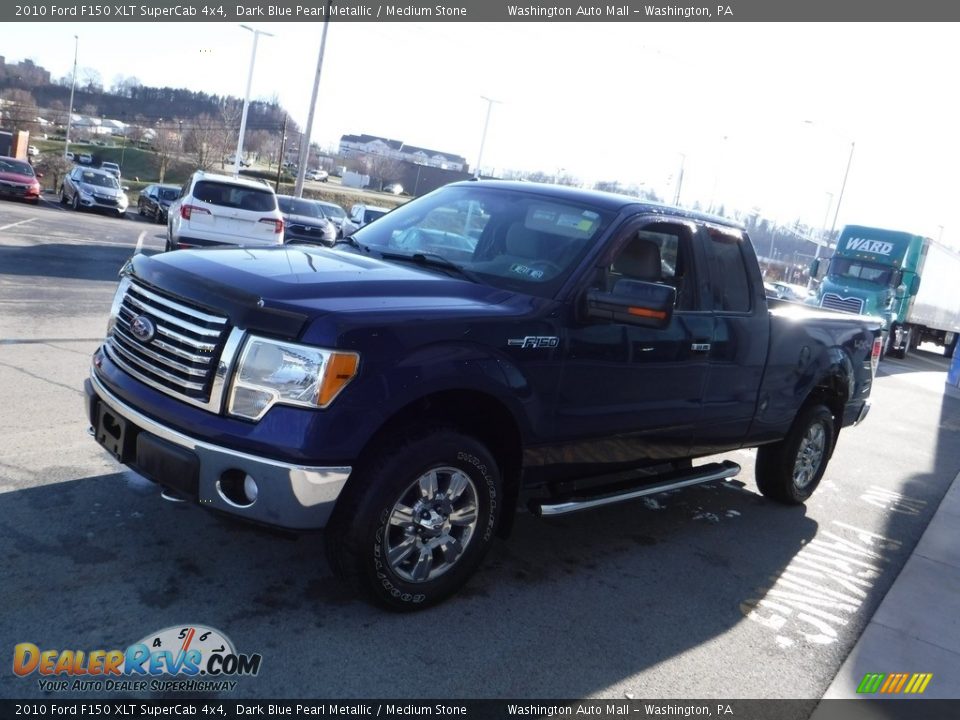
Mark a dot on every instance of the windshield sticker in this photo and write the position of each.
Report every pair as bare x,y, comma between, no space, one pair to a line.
525,270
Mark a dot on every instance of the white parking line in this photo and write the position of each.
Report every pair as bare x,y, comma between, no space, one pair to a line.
140,243
21,222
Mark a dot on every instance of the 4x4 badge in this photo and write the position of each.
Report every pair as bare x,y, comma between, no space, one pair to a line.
534,341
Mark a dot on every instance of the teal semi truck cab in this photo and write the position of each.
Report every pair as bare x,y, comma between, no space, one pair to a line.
882,272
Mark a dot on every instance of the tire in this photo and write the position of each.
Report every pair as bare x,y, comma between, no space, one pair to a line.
428,476
790,470
892,350
76,201
63,196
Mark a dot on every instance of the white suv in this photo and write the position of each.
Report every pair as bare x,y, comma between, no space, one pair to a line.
215,210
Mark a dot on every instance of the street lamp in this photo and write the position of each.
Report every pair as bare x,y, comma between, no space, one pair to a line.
836,211
73,86
246,98
304,157
483,138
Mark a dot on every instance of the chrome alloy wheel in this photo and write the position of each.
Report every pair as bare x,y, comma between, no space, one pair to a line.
431,524
809,455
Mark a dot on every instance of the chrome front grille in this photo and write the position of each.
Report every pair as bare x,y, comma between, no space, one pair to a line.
832,301
188,353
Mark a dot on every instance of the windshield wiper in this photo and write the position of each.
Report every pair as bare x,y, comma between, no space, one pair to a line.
350,240
433,260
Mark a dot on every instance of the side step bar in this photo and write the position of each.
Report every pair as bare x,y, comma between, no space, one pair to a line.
672,481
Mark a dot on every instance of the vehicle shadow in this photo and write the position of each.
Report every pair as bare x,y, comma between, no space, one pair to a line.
566,608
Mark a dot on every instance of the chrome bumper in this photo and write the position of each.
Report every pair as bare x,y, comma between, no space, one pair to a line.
288,496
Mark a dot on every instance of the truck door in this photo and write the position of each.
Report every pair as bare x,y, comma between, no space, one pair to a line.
628,393
741,335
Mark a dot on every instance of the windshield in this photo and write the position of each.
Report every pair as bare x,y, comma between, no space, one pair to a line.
517,241
333,211
370,215
860,270
15,166
296,206
169,193
100,180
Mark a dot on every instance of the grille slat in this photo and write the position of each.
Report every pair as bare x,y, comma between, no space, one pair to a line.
832,301
181,358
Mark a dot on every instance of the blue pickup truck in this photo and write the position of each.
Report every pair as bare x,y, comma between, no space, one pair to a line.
488,345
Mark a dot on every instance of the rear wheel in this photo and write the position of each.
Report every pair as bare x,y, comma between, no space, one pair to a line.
417,520
790,470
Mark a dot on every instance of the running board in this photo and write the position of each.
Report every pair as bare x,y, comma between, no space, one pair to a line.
694,476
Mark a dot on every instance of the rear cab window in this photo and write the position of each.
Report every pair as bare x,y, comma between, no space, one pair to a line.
730,286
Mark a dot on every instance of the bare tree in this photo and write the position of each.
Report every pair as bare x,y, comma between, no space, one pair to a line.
20,110
53,166
165,145
202,141
90,79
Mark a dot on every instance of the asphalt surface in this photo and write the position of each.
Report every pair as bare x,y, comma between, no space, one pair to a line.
707,592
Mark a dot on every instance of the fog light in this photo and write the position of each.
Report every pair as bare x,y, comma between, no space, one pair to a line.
237,488
250,489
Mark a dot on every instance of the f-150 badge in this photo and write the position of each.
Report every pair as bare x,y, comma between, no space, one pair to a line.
534,341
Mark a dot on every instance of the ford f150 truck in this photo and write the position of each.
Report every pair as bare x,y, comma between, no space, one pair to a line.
487,345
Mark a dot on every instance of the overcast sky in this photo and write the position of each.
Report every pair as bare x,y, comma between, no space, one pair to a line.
759,115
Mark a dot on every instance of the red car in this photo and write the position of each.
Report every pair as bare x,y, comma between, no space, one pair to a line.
17,180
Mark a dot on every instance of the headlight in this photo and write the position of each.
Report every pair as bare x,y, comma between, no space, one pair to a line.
272,372
117,300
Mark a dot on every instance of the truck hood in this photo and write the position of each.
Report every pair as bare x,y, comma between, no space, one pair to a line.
281,289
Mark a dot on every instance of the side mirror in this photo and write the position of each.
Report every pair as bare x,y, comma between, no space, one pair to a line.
814,268
915,285
40,175
634,302
125,188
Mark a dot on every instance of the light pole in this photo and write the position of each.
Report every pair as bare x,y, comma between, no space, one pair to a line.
304,156
73,86
246,98
836,211
483,138
676,197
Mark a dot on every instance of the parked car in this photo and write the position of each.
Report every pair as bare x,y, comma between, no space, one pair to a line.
317,175
393,188
69,155
230,160
94,189
155,201
19,180
222,210
112,168
85,158
361,215
334,213
304,221
790,291
33,151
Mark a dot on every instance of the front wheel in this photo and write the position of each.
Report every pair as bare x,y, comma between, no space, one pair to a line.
417,519
790,470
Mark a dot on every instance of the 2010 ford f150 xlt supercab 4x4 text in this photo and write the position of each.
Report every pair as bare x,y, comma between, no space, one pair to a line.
486,345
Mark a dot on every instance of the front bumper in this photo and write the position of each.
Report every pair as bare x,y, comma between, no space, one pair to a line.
288,496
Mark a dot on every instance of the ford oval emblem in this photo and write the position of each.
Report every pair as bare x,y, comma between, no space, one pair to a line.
143,328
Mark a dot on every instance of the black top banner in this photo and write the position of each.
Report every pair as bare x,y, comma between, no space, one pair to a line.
478,11
404,709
